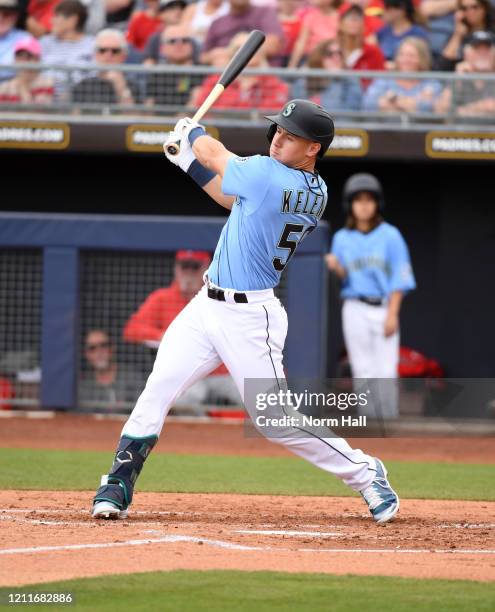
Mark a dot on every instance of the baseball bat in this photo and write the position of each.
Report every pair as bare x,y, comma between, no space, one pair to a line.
232,70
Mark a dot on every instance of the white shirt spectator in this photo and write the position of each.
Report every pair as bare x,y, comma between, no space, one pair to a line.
64,53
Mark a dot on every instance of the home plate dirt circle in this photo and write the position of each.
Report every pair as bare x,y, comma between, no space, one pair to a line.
49,535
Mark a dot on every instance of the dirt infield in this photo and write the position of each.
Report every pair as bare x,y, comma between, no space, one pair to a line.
49,535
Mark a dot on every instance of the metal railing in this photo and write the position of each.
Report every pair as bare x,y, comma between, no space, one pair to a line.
166,91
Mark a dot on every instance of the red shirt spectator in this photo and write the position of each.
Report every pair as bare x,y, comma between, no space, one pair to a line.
148,324
358,54
369,58
142,25
266,92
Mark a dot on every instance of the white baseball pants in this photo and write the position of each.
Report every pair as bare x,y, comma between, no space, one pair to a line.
372,356
248,339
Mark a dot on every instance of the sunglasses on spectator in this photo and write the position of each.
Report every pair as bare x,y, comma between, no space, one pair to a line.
112,50
470,7
189,265
26,55
175,41
99,345
332,52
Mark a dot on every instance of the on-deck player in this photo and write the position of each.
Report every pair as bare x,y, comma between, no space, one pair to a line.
275,203
371,258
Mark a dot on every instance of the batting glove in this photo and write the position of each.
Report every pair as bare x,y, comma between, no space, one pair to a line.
185,156
189,129
186,125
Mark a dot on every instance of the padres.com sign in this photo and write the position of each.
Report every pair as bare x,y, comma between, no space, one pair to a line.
349,143
34,135
149,138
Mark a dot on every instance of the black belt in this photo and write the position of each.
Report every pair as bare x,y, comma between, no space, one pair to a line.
219,294
371,301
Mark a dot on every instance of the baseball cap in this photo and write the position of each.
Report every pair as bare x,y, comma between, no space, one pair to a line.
31,45
168,4
10,4
347,7
188,255
481,37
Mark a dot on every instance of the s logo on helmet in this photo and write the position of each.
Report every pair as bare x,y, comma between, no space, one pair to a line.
287,112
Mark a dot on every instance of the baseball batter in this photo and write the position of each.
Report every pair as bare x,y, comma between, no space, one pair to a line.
275,202
372,259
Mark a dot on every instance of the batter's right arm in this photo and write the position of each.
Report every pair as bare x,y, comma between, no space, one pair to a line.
205,176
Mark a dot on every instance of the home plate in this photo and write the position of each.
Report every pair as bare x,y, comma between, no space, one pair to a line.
301,534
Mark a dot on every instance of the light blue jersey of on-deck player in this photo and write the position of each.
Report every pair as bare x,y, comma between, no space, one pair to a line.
376,263
275,209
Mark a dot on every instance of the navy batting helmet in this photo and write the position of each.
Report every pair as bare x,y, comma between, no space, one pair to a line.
362,182
306,119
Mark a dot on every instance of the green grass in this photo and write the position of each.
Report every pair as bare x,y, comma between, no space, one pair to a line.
81,470
227,591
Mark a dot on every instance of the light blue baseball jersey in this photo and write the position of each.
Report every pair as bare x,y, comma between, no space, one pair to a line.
275,209
376,263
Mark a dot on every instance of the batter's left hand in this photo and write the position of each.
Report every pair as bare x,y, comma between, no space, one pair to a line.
391,325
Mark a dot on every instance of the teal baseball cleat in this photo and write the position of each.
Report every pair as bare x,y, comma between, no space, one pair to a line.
382,500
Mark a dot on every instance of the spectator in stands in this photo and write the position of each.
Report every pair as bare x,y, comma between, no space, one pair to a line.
373,16
170,88
143,24
357,53
169,13
109,86
247,91
439,15
318,24
9,34
28,86
336,93
405,95
474,98
243,17
39,16
401,22
67,44
290,17
199,16
148,324
471,16
107,385
118,13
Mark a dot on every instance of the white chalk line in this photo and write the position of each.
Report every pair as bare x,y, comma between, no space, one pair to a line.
276,532
165,539
231,546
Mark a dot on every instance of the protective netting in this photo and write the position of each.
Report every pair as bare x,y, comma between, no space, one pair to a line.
20,327
127,301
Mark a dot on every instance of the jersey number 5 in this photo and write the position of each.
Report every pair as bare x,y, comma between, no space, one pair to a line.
290,245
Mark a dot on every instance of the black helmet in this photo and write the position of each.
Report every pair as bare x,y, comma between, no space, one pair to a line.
306,119
362,182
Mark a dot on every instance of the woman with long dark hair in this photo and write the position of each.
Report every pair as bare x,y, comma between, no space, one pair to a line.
471,16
